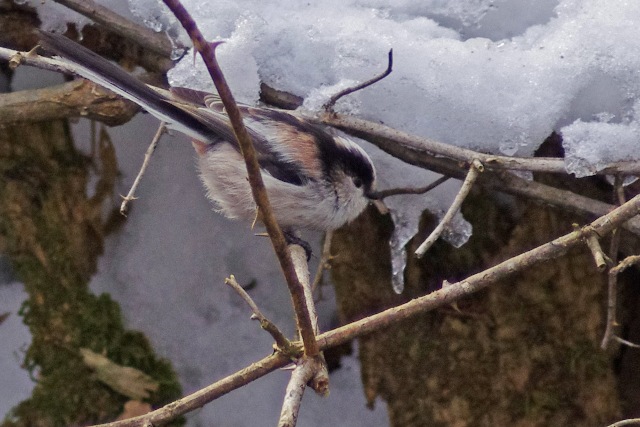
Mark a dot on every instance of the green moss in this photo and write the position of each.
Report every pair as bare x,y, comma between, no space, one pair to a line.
53,234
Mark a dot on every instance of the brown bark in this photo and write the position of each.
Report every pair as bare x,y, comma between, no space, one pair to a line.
525,352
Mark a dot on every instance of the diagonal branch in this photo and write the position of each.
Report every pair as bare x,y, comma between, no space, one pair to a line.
203,396
554,249
278,241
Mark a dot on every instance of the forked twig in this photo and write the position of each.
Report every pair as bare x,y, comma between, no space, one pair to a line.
281,341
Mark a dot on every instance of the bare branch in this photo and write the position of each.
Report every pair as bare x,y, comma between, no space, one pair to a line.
628,422
407,148
625,342
425,149
612,288
203,396
145,163
17,58
299,258
278,241
626,263
332,101
320,379
281,341
78,98
472,284
300,376
474,171
156,42
612,306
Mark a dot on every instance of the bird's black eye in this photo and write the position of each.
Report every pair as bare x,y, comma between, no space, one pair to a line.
357,182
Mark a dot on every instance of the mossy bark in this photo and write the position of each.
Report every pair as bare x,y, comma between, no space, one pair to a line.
53,233
524,352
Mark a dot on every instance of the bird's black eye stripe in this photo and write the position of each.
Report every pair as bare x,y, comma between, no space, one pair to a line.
357,182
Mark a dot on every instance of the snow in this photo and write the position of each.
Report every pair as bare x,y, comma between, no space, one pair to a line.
15,338
492,75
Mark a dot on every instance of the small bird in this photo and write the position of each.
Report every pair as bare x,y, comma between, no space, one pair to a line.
314,180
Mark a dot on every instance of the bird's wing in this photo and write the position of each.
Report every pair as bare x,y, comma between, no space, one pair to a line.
197,114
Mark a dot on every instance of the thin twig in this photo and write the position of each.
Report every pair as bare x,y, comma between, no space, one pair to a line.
627,422
281,341
413,190
625,342
612,304
609,333
475,169
324,263
159,43
299,257
207,51
612,277
626,263
332,101
145,163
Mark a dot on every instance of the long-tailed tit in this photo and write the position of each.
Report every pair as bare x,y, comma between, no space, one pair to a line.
314,180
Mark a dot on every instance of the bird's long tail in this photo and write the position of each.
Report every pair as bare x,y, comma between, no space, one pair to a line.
99,70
